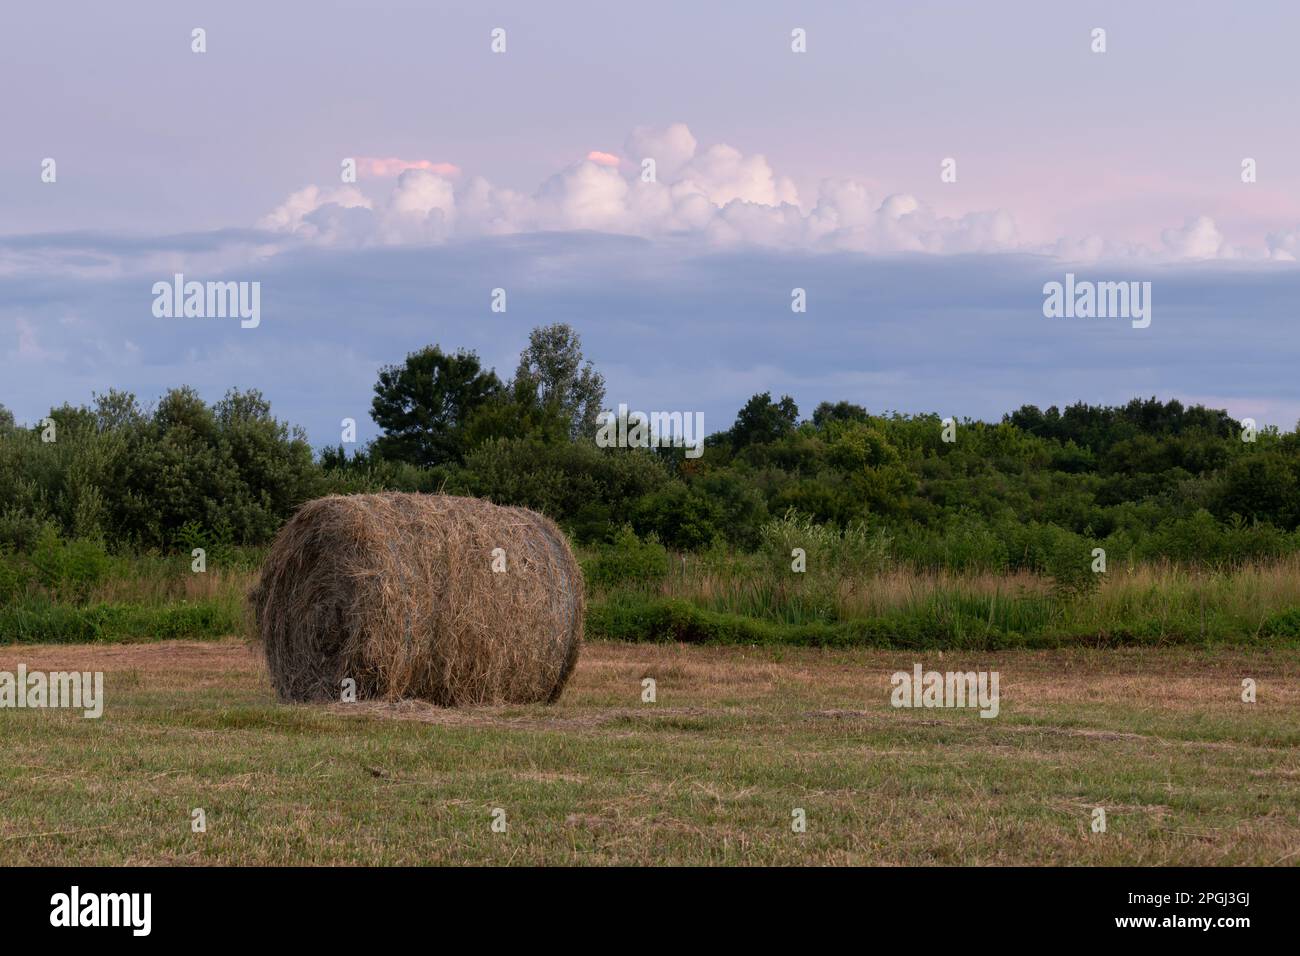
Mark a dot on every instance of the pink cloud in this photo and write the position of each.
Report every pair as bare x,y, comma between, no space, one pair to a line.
602,159
392,166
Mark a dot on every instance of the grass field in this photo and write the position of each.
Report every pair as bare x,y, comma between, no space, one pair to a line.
738,738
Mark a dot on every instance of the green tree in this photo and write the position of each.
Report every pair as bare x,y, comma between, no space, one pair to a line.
424,404
827,412
572,482
762,420
1262,487
116,409
514,412
551,369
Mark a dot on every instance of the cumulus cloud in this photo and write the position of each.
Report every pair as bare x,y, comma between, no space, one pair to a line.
1198,238
421,208
1284,246
584,196
292,214
488,210
716,193
671,148
723,173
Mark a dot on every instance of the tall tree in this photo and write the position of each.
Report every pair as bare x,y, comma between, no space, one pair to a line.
763,420
117,409
424,404
551,369
828,412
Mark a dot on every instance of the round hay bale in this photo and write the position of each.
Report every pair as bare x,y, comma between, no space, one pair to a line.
399,593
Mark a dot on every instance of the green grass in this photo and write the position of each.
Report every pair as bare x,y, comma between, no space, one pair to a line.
747,599
741,599
46,622
942,622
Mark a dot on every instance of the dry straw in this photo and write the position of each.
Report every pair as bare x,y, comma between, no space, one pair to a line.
398,592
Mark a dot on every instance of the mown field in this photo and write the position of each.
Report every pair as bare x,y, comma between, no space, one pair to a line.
737,739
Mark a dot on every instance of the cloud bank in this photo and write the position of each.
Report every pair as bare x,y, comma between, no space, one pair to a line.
671,327
666,184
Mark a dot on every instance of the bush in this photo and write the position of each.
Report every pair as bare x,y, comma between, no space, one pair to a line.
682,516
16,577
1069,562
853,550
69,570
969,544
562,480
628,560
1282,624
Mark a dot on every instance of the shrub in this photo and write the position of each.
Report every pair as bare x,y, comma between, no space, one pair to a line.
853,550
69,570
628,560
1282,624
15,578
1068,559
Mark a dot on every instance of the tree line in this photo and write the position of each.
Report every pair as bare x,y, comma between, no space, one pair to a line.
1147,479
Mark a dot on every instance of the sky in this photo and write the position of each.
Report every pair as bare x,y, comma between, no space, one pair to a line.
920,171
